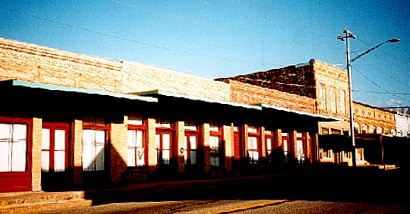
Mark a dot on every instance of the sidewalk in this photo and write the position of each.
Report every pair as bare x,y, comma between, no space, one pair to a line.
37,202
389,181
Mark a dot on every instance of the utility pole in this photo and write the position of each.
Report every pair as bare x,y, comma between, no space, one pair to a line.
345,38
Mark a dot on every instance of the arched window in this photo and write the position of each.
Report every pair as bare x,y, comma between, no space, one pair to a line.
372,129
364,129
356,128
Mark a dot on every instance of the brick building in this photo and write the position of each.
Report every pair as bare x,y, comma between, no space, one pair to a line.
70,119
322,89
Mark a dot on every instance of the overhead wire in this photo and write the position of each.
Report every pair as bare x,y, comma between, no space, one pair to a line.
130,40
374,83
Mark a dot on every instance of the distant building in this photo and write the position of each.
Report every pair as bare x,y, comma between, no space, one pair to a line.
402,120
326,92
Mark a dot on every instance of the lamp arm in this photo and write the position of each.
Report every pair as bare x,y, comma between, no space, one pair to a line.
366,52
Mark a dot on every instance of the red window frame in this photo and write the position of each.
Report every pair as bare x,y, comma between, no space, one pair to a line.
172,147
191,133
142,128
269,135
29,124
257,135
105,128
53,127
216,152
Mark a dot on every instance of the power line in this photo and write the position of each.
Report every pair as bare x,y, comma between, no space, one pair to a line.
381,92
374,83
131,40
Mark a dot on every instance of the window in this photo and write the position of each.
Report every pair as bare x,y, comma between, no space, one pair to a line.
253,144
190,142
93,149
190,145
253,153
215,139
322,97
326,154
356,127
342,102
136,141
13,147
53,149
285,140
332,100
164,142
135,148
372,129
269,146
364,129
300,154
163,147
214,144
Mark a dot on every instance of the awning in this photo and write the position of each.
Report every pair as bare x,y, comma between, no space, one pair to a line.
193,98
316,117
19,83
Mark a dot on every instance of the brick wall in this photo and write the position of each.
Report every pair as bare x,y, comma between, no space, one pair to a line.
43,65
33,63
140,78
252,94
293,79
336,78
332,77
118,151
369,115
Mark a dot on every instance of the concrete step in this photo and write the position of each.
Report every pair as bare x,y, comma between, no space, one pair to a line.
35,202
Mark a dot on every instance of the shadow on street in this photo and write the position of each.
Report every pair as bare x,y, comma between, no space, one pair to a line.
337,184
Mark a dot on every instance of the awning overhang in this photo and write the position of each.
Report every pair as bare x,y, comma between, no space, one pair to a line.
19,83
299,114
52,101
159,93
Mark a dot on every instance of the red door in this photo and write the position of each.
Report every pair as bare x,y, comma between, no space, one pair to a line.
55,156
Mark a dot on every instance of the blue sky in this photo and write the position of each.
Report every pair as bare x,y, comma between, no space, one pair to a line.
216,38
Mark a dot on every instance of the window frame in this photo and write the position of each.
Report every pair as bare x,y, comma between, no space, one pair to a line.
251,151
215,151
106,130
322,97
191,130
55,127
29,124
164,127
135,128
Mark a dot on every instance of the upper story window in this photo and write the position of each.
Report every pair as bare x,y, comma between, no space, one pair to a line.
364,129
332,100
342,102
322,97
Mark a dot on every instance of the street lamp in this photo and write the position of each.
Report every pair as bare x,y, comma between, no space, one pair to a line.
345,38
